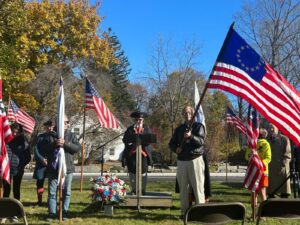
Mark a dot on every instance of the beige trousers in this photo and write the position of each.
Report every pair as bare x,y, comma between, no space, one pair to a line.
190,174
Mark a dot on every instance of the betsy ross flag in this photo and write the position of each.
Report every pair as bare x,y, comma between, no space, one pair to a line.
234,120
15,114
5,137
94,101
242,72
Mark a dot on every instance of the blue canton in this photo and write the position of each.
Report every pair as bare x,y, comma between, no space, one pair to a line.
238,53
14,106
89,88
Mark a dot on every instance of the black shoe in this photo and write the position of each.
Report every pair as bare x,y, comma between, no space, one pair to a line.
50,218
15,219
284,195
64,216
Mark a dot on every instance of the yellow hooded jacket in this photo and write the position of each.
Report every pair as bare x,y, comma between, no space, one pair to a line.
264,151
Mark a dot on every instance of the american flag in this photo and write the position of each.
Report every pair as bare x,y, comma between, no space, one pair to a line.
252,127
234,120
240,70
94,101
15,114
255,172
5,137
254,175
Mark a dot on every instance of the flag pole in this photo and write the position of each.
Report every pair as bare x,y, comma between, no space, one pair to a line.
227,149
1,180
61,131
206,85
82,149
60,200
253,198
1,188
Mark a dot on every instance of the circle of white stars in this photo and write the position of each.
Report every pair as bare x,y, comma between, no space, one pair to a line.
239,59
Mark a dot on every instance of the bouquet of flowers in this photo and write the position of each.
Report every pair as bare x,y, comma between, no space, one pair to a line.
108,189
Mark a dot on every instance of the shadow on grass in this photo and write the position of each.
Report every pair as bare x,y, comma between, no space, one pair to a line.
40,217
131,213
232,185
216,193
146,216
85,189
32,204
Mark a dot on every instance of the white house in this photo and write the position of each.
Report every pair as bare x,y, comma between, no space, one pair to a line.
95,136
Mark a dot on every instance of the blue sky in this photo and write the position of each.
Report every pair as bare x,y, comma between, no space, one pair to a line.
137,23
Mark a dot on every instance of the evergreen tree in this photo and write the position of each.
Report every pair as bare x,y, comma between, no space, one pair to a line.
121,99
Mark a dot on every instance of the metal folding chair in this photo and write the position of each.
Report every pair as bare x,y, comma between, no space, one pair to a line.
10,207
215,213
282,208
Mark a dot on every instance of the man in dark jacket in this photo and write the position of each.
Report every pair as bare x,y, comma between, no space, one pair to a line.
40,155
129,153
71,146
189,147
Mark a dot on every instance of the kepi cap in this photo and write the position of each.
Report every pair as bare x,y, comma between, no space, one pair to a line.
138,114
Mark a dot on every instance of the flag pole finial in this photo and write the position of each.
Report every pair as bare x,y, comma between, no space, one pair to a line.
232,25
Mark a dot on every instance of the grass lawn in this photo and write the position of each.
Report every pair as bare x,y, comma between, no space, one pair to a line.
83,212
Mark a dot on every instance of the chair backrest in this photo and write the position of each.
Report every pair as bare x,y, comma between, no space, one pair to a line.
10,207
280,208
215,213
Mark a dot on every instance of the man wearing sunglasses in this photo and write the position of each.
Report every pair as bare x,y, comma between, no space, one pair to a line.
71,146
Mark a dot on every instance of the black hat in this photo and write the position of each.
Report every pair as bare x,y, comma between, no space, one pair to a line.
138,114
48,123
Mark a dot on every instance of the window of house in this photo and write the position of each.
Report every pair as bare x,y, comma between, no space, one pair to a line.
111,151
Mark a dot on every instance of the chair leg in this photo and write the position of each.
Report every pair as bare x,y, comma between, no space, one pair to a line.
257,220
253,205
25,220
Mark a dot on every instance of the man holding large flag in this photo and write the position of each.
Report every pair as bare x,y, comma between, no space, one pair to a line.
188,144
60,153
